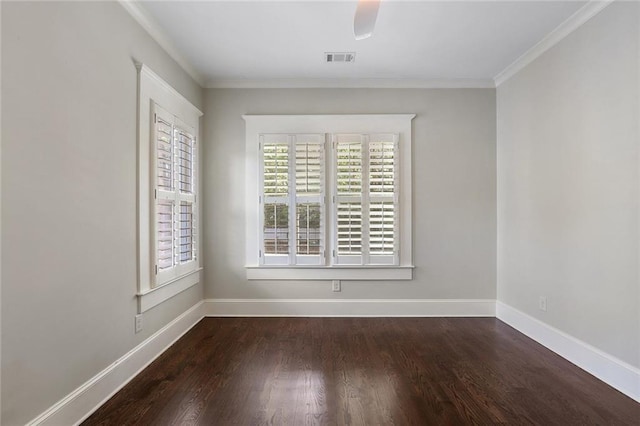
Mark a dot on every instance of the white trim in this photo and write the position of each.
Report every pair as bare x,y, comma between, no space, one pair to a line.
82,402
142,17
0,222
348,308
164,94
155,296
365,273
611,370
575,21
153,89
356,83
326,124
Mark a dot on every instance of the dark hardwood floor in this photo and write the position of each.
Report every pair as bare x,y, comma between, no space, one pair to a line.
363,371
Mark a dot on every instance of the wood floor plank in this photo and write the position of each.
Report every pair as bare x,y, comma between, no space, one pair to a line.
362,371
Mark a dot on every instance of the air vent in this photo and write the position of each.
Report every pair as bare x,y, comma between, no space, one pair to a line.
331,57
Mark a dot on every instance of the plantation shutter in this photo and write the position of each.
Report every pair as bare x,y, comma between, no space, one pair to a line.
185,163
276,203
309,197
349,227
365,199
383,199
174,210
292,200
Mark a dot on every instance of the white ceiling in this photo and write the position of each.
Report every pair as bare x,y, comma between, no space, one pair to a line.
263,43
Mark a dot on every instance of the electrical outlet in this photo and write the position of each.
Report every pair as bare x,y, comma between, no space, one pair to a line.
138,323
335,285
542,303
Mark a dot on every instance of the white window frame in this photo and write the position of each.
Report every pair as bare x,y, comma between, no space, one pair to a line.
152,89
364,124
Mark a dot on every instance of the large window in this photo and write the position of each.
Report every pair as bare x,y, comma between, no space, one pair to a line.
168,243
332,199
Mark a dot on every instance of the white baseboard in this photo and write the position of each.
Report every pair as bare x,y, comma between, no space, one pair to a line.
82,402
348,308
615,372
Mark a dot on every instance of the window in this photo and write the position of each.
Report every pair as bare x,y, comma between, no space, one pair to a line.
333,197
168,244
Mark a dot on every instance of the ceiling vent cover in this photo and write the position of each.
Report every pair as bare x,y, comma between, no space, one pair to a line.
331,57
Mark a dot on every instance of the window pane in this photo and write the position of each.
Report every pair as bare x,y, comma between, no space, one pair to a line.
308,228
309,168
164,155
276,228
381,227
186,238
349,228
164,230
276,169
349,168
381,168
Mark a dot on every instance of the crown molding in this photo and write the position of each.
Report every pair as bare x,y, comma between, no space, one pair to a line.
142,17
359,83
575,21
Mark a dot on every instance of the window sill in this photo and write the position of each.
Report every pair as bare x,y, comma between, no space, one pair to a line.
155,296
316,273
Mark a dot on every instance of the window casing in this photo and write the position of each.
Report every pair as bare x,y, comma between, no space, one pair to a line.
345,183
168,212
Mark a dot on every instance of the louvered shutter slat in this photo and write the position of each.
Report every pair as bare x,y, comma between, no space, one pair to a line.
309,168
164,234
349,228
185,161
382,227
186,249
349,167
276,168
382,168
164,155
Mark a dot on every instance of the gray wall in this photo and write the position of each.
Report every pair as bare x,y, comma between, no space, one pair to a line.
69,197
568,184
454,200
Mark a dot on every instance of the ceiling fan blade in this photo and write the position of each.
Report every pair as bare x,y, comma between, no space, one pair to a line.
365,18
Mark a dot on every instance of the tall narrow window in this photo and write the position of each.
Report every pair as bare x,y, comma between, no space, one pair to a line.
167,191
365,199
292,199
174,146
